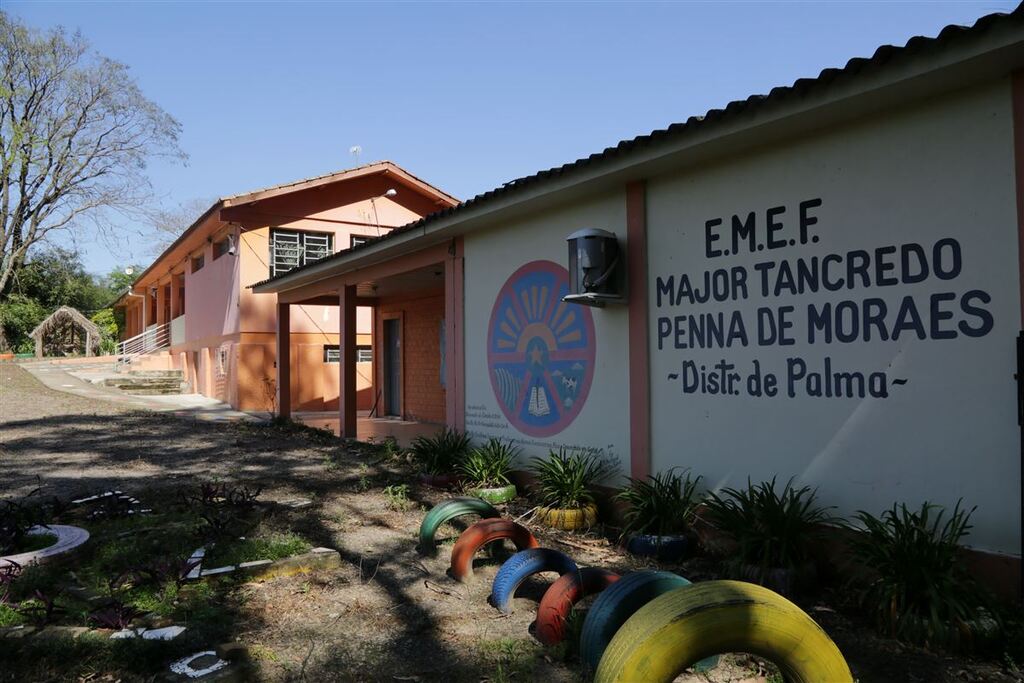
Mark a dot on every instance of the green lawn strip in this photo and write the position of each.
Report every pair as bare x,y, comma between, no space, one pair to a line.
35,542
270,546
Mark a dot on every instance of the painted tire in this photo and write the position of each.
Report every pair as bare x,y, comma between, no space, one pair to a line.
446,511
664,548
617,604
498,494
558,600
479,535
522,565
570,519
685,625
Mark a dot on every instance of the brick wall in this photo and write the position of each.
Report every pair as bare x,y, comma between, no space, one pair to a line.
421,360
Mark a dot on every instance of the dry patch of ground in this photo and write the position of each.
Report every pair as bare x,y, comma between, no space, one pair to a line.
387,613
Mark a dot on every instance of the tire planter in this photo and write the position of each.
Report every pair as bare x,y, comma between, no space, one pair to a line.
68,539
683,626
568,519
479,535
557,603
617,604
523,565
447,511
439,481
800,579
497,494
665,548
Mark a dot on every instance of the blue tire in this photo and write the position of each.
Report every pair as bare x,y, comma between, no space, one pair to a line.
617,604
522,565
664,548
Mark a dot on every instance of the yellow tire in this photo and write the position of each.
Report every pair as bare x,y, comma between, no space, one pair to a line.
568,519
681,627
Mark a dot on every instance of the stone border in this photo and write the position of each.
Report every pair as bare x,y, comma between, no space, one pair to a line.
68,538
317,558
75,632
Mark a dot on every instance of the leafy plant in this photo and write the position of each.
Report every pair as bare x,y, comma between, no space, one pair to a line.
442,452
565,477
17,517
41,608
920,590
116,614
397,496
163,570
489,465
772,530
8,574
661,504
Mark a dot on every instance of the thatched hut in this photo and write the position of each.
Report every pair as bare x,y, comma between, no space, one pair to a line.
66,329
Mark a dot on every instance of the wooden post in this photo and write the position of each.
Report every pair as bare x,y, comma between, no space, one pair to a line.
39,346
88,344
284,370
347,366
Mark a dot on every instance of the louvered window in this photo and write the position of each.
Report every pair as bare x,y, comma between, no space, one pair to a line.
291,248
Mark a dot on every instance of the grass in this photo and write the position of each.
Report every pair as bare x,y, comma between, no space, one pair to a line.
36,542
274,546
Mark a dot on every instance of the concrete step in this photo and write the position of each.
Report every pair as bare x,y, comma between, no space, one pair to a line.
149,382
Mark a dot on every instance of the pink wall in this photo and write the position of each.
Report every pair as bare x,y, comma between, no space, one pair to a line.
211,297
258,310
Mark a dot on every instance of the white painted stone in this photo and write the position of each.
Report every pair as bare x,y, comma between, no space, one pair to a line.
217,571
184,667
166,633
68,538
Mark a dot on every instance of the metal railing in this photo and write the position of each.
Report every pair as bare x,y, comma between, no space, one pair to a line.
155,338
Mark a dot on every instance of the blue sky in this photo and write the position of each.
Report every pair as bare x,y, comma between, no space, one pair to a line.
464,95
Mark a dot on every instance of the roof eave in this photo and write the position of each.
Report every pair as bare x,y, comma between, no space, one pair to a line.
845,97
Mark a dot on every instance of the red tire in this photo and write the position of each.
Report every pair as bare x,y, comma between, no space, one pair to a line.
565,592
479,535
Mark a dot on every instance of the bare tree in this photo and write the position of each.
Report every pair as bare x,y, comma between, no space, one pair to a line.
76,133
169,223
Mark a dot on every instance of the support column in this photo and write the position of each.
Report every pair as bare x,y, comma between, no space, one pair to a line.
175,302
454,364
347,366
160,298
284,368
639,348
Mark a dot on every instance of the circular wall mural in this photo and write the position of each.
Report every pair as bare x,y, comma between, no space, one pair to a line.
540,350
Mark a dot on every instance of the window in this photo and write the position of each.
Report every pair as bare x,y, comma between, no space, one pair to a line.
332,354
221,247
356,240
197,263
290,249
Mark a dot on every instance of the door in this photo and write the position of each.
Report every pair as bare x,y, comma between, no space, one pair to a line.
393,366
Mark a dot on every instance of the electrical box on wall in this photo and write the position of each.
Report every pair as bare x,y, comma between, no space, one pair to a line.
597,273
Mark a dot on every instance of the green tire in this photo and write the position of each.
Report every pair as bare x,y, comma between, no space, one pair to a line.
449,510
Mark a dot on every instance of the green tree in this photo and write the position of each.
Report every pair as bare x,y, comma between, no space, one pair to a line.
19,315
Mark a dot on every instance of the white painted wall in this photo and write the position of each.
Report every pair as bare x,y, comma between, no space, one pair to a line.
942,170
491,257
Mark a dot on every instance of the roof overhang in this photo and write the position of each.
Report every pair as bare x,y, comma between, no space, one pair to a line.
878,85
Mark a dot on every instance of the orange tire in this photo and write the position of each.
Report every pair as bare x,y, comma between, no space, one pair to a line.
560,597
479,535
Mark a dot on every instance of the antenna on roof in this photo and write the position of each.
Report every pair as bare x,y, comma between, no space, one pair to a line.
355,150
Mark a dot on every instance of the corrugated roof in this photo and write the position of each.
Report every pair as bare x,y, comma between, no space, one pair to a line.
800,88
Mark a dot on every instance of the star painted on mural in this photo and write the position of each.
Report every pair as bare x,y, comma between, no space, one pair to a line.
536,355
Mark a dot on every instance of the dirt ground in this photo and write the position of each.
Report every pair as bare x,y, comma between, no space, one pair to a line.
388,613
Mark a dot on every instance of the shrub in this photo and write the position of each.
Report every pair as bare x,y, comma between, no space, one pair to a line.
565,477
772,530
17,517
662,504
920,590
397,496
489,465
442,452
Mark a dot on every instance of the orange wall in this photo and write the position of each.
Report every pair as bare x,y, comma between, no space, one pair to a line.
423,397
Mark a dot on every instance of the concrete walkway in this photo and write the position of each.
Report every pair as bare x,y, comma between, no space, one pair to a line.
74,380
